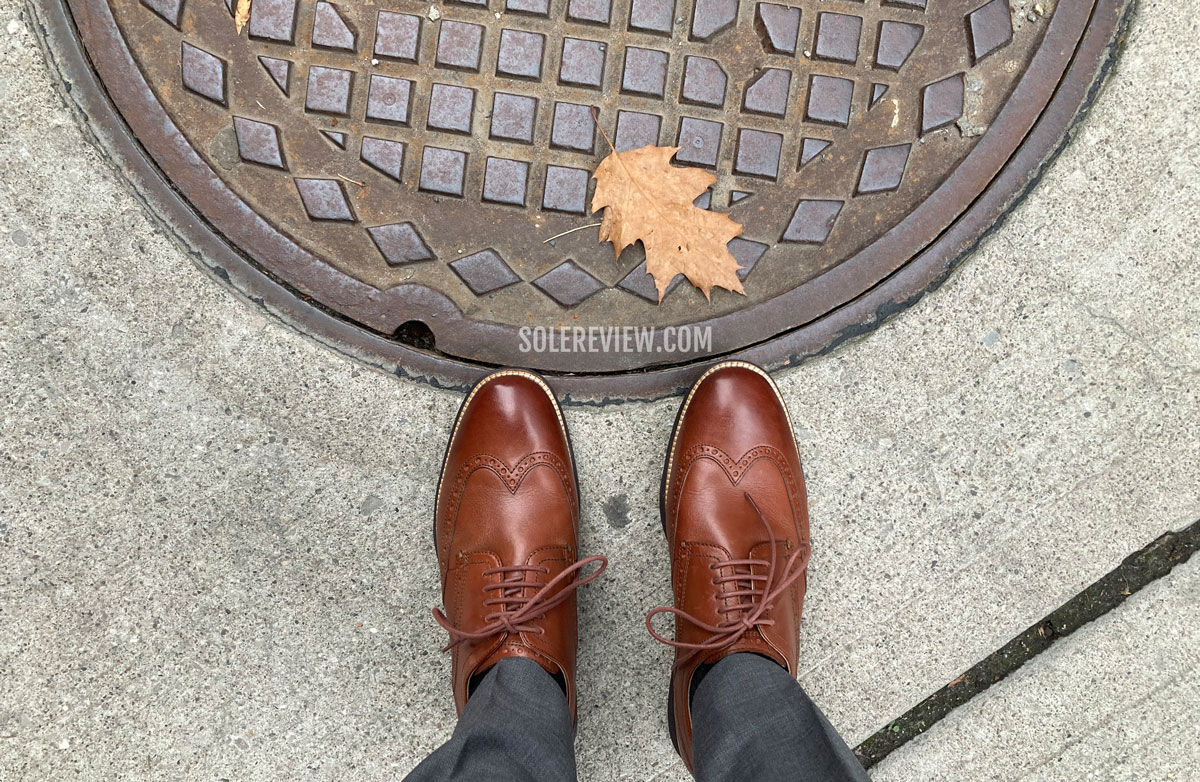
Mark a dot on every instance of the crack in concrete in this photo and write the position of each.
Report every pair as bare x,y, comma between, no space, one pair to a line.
1129,333
1139,569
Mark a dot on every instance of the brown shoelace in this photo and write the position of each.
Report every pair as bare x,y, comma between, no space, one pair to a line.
514,612
754,595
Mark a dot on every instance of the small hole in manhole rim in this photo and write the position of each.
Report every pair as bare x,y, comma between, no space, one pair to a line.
415,334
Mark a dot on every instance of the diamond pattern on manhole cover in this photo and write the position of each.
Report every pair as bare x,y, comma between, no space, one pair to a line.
391,163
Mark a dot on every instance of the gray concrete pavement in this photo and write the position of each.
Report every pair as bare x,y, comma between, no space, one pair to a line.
1130,679
214,533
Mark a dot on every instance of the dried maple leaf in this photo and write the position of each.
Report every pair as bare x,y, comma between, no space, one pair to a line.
242,15
647,199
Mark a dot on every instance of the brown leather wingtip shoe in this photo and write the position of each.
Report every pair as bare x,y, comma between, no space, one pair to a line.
507,533
736,520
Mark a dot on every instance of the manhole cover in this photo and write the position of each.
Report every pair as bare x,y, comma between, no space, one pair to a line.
389,173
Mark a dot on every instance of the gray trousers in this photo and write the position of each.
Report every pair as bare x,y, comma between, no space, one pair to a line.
750,720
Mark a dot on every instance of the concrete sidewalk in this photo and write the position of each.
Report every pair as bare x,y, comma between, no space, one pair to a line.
1131,681
214,534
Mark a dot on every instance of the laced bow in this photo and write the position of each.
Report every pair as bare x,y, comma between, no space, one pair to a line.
754,595
514,612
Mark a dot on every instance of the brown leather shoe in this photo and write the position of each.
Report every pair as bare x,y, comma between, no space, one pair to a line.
736,520
507,533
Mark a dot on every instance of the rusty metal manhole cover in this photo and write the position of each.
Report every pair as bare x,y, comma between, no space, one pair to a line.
386,174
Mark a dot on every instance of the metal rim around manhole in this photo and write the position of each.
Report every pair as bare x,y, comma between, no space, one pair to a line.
391,177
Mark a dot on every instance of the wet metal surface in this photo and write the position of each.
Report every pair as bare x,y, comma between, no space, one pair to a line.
394,162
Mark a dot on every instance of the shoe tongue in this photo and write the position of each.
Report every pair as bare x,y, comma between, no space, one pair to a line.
511,648
752,642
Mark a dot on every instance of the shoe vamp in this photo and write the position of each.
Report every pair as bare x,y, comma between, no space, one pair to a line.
714,510
514,524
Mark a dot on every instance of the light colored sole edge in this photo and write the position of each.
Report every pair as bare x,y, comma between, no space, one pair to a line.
688,401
